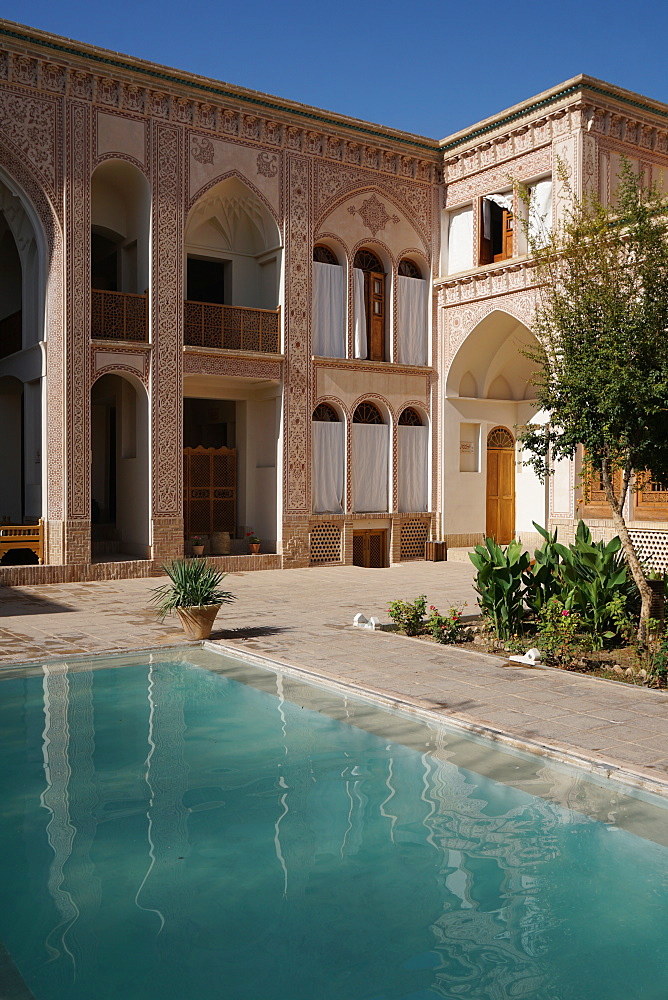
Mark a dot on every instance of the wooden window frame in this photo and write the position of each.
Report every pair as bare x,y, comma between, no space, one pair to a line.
486,253
375,303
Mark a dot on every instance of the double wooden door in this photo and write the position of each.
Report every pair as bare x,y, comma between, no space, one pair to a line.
501,485
370,549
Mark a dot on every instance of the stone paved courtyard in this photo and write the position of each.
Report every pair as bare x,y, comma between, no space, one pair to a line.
303,618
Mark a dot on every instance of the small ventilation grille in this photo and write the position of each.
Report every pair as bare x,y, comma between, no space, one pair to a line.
325,543
413,537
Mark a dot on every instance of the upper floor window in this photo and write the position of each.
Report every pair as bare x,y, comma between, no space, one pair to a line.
323,255
412,294
329,304
496,228
459,242
369,306
410,418
324,411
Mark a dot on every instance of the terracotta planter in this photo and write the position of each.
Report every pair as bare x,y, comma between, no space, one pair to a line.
198,550
197,622
254,547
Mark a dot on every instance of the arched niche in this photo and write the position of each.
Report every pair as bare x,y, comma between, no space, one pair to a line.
370,458
491,363
22,272
120,227
412,460
233,248
119,467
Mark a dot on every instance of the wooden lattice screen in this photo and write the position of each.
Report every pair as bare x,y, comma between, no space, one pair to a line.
209,490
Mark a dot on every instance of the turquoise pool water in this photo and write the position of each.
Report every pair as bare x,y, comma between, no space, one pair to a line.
193,827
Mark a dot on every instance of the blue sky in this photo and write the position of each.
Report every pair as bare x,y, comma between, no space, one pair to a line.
430,69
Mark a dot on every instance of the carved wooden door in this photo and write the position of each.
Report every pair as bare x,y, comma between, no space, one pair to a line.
209,490
376,307
369,549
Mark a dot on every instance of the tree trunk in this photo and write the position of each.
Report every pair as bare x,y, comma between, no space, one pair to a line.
632,560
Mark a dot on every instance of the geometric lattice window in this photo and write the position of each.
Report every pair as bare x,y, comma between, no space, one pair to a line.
500,438
325,412
323,255
413,538
325,543
410,418
408,269
651,496
367,413
651,548
367,261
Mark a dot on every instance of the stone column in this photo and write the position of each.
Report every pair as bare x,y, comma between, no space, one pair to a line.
297,418
167,340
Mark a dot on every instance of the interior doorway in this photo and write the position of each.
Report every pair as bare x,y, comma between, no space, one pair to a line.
370,549
500,485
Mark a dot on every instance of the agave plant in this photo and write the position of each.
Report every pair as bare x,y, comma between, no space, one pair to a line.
543,579
193,583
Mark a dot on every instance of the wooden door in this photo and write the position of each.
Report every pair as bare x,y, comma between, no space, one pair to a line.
209,490
369,549
376,312
501,485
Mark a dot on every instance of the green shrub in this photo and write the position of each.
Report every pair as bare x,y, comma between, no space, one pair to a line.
558,633
543,579
193,583
409,616
499,584
597,584
447,628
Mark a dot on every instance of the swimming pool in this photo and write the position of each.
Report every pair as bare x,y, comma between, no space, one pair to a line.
187,825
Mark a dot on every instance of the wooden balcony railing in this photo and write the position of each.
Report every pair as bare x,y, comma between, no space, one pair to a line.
235,328
119,316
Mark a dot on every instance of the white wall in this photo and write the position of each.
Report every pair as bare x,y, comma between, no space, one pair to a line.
11,423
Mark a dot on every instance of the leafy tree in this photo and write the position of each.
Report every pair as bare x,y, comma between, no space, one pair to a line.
602,327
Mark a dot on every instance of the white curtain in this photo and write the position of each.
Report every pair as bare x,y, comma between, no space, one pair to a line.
412,461
503,201
359,313
328,446
329,336
412,309
460,240
540,211
370,467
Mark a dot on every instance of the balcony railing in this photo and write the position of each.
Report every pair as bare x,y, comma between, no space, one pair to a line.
118,316
235,328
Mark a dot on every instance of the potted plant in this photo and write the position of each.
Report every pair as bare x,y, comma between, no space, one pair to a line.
253,542
194,592
197,545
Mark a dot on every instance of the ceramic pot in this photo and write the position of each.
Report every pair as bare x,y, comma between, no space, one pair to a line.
197,621
198,550
254,547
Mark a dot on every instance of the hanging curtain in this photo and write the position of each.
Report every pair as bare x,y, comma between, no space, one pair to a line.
370,467
460,240
540,211
329,336
503,201
359,313
412,309
412,461
328,446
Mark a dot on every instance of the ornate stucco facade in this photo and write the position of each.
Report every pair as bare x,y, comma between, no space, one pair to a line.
158,241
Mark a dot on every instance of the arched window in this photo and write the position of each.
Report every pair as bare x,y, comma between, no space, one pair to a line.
369,289
367,413
370,459
329,304
412,292
412,462
328,444
409,269
323,255
410,418
500,439
325,412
